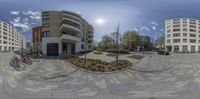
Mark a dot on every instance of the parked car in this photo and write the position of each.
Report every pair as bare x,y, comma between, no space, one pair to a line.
163,52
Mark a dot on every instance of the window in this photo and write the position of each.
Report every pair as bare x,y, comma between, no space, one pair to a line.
168,31
176,48
175,30
192,41
5,42
193,23
192,26
176,40
184,25
45,19
46,34
175,26
192,35
192,30
176,34
184,29
89,41
184,40
46,25
168,41
176,22
82,46
168,35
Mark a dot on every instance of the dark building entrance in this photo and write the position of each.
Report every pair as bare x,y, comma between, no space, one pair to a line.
73,48
52,49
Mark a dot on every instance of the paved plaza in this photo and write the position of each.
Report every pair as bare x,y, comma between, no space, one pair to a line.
175,76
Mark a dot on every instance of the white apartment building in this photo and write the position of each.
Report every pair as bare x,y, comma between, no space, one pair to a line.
65,33
182,35
10,38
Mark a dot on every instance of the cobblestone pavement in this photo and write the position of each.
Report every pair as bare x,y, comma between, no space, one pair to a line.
175,76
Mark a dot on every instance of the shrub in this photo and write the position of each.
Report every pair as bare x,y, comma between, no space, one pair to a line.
120,51
98,52
111,54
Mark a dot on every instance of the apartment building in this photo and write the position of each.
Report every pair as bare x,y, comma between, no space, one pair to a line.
182,35
10,38
37,38
65,33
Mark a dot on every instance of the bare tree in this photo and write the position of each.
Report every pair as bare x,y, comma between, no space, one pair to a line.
117,44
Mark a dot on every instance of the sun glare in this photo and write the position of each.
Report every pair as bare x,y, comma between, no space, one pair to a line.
100,21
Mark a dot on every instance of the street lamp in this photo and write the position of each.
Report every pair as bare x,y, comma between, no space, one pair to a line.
22,45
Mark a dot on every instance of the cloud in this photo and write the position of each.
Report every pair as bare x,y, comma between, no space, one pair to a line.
21,23
144,28
153,23
161,30
32,14
25,19
153,27
14,12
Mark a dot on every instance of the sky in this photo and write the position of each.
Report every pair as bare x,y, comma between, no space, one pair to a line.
147,17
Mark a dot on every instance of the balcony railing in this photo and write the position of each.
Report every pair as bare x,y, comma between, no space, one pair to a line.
70,28
70,37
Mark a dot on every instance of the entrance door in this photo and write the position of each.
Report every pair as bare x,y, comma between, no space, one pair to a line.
52,49
184,48
169,48
192,49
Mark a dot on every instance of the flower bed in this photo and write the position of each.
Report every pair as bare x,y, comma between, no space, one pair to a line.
96,65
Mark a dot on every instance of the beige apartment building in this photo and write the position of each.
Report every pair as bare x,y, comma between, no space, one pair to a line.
10,38
182,35
65,33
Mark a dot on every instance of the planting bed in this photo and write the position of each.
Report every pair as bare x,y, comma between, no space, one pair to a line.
96,65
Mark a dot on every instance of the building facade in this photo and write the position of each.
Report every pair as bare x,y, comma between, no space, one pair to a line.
10,38
182,35
65,33
37,39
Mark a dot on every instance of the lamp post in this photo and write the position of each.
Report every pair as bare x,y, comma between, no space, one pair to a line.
85,36
22,45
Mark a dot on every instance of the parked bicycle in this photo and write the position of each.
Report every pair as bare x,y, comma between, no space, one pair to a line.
26,60
15,63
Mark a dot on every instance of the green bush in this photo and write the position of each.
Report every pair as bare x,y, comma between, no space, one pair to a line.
98,52
120,51
111,54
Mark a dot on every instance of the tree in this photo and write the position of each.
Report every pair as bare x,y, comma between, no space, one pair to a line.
107,42
160,41
145,42
130,39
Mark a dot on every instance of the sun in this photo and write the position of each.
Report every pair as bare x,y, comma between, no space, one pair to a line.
100,21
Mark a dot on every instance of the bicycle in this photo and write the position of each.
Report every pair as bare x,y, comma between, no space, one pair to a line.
26,60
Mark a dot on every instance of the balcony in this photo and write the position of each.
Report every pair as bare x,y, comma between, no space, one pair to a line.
70,28
68,37
68,19
74,17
